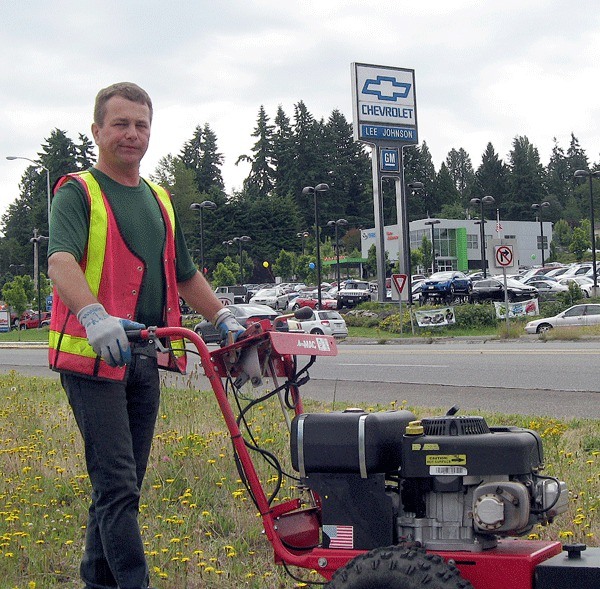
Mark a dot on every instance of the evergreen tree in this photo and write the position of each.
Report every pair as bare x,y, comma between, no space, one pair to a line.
491,177
461,171
261,180
209,174
418,167
307,139
84,153
526,181
445,190
200,154
283,154
558,181
349,170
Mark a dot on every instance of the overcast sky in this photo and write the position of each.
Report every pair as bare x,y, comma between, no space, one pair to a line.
485,70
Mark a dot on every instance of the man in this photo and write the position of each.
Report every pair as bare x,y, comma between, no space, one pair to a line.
117,258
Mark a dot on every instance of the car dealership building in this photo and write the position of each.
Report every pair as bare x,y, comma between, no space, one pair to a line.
457,241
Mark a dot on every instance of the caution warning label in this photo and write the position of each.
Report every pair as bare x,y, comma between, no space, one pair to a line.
446,459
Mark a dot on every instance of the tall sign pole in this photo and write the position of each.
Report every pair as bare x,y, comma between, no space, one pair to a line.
385,118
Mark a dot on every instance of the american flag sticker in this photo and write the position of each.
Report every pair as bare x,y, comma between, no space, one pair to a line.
340,536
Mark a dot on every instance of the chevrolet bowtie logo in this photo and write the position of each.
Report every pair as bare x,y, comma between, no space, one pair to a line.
386,88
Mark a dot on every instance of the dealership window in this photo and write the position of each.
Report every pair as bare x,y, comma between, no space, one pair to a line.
472,242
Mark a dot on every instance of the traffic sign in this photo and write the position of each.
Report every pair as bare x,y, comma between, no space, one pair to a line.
503,255
398,283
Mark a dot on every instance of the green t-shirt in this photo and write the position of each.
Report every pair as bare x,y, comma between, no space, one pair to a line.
138,216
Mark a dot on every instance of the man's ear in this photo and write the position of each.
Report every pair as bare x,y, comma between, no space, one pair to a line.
95,132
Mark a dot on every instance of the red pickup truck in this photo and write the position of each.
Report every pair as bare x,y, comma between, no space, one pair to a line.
30,320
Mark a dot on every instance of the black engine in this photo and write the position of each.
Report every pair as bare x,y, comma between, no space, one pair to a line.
451,483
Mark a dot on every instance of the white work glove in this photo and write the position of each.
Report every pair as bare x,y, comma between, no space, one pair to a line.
106,334
228,326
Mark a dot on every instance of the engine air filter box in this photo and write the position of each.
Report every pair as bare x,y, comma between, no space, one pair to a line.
350,441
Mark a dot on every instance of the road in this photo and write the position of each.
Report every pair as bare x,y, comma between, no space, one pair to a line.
559,379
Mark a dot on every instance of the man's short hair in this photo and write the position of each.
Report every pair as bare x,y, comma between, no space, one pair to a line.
127,90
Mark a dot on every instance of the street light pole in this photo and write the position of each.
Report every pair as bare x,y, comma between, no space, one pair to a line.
36,271
240,241
227,243
590,175
195,206
432,222
486,200
538,207
336,224
37,164
302,235
314,190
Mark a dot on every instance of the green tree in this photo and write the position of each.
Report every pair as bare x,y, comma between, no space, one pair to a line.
445,190
461,171
418,167
261,180
201,155
558,181
284,265
580,243
371,263
426,251
226,273
526,180
283,155
561,234
15,296
491,176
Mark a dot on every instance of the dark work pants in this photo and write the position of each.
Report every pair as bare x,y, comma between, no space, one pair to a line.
117,422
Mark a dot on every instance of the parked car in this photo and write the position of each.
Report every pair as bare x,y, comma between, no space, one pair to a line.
583,269
547,288
585,284
325,322
242,312
492,289
284,301
30,320
267,296
310,299
353,292
446,285
576,316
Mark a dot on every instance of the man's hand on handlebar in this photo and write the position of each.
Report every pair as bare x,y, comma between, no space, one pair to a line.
106,334
228,326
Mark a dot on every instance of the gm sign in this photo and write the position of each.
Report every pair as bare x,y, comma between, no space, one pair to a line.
389,160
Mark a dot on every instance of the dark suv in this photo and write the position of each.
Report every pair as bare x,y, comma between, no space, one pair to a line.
446,286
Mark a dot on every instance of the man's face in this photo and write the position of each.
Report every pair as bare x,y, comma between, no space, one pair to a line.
123,138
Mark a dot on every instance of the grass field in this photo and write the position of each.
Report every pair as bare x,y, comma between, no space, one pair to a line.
199,526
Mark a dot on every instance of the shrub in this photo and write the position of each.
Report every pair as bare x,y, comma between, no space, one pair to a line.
474,316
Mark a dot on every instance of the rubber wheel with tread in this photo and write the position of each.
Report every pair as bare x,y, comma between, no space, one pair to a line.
398,567
543,328
317,331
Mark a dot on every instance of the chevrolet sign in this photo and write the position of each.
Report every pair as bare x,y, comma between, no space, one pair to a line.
384,104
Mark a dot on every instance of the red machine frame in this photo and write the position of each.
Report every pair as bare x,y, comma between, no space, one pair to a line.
289,523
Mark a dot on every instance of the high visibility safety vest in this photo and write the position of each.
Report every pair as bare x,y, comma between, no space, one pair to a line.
114,274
